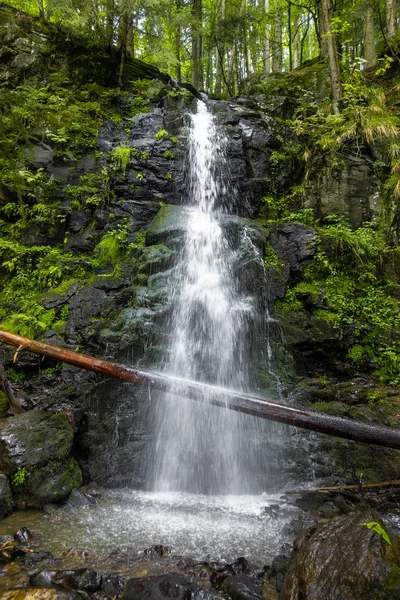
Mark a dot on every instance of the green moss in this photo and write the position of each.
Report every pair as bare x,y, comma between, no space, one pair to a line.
3,405
121,157
160,135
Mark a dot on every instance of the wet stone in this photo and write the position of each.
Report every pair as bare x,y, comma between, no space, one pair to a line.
159,587
78,499
113,586
23,535
157,550
6,499
79,579
243,587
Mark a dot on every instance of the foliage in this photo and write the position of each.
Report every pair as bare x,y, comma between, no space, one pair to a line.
375,526
346,288
110,249
19,477
121,157
160,135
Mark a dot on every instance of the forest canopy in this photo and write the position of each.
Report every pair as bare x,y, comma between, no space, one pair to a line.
217,45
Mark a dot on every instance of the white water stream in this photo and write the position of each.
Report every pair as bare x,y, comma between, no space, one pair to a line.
208,470
201,449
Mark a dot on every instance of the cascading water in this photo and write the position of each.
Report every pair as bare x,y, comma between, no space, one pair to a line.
209,470
213,328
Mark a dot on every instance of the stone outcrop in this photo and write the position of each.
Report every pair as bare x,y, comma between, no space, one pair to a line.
35,451
345,559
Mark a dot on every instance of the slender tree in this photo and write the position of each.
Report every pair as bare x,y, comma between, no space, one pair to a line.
328,34
369,37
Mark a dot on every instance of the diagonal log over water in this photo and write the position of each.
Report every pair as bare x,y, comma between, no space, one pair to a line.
225,398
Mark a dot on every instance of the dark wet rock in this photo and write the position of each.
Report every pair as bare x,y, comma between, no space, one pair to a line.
79,579
157,550
113,585
35,449
159,587
23,535
34,438
243,587
50,509
6,498
78,499
200,594
33,556
40,155
344,559
42,578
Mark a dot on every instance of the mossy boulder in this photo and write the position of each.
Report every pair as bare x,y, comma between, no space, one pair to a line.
35,451
3,405
345,559
169,222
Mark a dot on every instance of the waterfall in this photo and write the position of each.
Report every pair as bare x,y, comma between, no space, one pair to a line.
213,328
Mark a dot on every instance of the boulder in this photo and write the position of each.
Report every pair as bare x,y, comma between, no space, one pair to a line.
6,499
243,587
345,559
159,587
35,450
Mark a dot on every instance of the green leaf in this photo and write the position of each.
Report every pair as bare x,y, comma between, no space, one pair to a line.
375,526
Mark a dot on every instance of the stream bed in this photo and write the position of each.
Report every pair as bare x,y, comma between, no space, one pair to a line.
123,523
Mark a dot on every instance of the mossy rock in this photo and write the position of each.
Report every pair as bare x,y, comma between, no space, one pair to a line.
3,405
169,222
47,484
345,559
33,439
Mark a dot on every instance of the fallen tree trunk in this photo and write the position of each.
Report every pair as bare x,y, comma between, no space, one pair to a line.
225,398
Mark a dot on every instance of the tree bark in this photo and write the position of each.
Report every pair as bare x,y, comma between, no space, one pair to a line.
328,34
197,44
276,42
14,404
267,43
178,41
123,39
369,38
225,398
390,19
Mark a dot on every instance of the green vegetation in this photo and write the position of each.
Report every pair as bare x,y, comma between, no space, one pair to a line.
19,477
160,135
121,157
377,527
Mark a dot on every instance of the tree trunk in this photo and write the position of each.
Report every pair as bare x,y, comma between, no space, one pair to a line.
110,16
228,399
333,57
197,44
276,42
42,14
178,41
290,41
319,29
390,18
123,41
369,38
220,50
267,44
